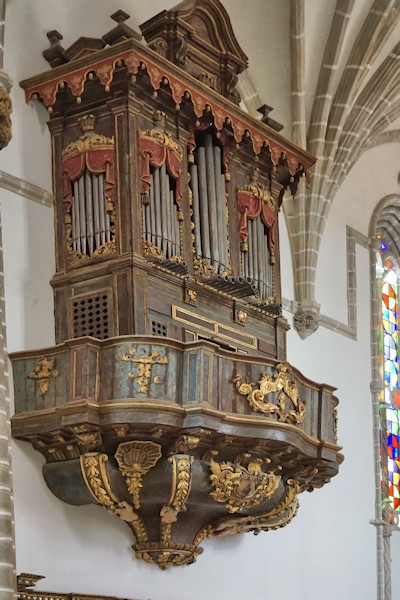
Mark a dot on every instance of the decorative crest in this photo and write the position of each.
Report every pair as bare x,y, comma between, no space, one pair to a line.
240,487
280,382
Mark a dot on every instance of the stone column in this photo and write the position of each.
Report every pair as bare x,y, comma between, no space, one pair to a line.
7,539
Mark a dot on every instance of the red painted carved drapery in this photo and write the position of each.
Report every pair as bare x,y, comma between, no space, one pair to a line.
94,160
154,153
253,204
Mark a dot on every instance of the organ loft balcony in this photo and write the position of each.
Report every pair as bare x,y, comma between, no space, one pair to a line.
169,398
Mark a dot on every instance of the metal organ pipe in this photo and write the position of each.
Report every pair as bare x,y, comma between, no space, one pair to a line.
89,212
196,209
212,202
221,210
209,205
204,215
90,221
151,224
96,213
255,262
160,218
76,234
82,213
102,209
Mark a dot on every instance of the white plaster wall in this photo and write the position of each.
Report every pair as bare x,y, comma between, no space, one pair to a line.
329,549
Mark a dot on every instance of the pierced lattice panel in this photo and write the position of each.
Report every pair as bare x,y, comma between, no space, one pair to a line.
158,329
90,317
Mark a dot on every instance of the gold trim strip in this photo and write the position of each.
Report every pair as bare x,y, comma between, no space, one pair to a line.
214,327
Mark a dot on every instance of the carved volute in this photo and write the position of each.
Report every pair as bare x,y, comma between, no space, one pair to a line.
168,398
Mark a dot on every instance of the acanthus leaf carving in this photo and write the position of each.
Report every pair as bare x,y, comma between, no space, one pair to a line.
240,487
281,383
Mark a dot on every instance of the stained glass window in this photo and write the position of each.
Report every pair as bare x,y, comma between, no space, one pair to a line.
391,411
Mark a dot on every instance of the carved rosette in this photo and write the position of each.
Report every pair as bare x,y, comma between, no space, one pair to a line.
135,459
281,383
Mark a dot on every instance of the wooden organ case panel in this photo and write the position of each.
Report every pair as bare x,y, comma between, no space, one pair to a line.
167,194
170,371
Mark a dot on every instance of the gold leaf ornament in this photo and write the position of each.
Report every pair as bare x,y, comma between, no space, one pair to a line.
281,383
240,487
135,459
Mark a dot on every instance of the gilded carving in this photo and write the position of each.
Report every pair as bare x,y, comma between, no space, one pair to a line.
240,487
43,372
94,473
108,247
191,297
5,118
162,138
126,513
95,476
181,484
145,367
241,317
150,249
277,517
202,268
280,382
135,459
167,554
184,443
89,140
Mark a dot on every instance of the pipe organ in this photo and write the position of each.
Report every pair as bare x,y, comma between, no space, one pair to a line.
170,375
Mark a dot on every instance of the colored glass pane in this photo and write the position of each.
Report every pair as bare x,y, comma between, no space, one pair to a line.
389,339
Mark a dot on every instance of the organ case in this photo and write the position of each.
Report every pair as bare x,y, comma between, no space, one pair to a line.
167,291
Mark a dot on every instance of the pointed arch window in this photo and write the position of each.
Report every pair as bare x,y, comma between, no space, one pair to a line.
390,416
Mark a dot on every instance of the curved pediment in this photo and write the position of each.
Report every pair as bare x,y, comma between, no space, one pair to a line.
210,19
197,35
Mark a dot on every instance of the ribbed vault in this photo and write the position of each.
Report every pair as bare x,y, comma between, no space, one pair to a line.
350,114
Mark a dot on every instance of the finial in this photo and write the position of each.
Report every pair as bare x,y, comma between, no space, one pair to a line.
120,16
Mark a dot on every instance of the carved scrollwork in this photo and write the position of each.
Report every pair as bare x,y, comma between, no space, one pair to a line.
181,484
162,138
240,487
135,459
94,473
43,372
280,382
89,141
202,268
150,249
95,476
275,518
145,363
